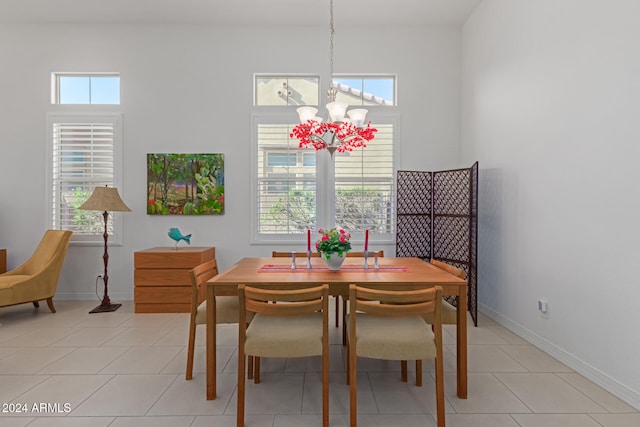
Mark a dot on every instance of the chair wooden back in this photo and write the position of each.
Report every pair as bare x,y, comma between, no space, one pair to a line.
395,303
449,268
299,254
361,254
300,302
199,276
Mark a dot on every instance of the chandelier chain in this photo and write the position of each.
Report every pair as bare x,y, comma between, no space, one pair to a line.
337,133
331,92
331,33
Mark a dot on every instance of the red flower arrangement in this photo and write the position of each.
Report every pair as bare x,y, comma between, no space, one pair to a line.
342,136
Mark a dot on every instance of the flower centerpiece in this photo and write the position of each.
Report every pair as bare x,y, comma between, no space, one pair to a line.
333,246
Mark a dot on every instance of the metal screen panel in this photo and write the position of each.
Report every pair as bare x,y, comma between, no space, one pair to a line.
438,218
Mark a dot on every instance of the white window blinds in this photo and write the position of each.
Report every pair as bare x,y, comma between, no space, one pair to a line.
286,183
292,190
364,185
83,157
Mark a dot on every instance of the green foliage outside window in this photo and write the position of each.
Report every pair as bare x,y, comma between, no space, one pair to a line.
357,209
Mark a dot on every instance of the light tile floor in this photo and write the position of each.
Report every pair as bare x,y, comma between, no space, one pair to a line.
123,369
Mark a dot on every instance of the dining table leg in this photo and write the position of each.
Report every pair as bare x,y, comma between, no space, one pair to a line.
211,343
461,343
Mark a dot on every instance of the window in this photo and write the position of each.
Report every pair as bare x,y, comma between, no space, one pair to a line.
365,90
299,189
83,88
286,90
84,152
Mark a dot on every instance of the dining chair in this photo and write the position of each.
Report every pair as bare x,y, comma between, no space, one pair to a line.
296,326
226,307
389,325
344,301
449,312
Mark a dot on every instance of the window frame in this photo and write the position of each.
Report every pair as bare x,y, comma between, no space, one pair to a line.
116,237
55,86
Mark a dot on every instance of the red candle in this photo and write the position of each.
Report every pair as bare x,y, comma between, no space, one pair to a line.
308,240
366,240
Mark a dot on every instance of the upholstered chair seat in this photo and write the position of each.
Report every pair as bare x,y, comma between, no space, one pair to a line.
271,336
394,338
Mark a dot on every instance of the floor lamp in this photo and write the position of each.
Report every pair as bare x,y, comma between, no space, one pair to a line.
105,199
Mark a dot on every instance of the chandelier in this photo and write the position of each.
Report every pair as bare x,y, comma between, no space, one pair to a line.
338,133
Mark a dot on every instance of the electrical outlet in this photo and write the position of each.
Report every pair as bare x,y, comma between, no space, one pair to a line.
542,306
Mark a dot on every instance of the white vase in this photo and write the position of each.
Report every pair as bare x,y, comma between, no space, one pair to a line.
334,260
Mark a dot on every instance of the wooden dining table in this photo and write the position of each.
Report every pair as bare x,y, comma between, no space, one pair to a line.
392,274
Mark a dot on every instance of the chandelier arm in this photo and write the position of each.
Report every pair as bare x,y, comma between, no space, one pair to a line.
317,139
333,138
350,138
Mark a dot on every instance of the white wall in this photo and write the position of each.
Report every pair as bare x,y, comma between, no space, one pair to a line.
189,89
551,98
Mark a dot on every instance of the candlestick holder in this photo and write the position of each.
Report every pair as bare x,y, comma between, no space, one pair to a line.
308,260
293,260
366,260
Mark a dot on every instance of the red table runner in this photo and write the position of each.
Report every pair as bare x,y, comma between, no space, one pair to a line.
303,268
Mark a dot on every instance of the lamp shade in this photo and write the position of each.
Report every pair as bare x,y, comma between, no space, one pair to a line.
358,116
105,199
337,111
306,113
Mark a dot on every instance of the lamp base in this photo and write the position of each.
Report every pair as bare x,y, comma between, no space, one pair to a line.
105,308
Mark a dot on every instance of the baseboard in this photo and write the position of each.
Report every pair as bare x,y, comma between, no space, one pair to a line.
613,386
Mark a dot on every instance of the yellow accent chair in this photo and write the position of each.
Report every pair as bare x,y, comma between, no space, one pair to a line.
37,278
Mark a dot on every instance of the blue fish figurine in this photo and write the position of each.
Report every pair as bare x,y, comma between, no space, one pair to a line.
176,235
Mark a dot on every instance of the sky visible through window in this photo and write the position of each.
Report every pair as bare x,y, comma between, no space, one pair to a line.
379,87
89,90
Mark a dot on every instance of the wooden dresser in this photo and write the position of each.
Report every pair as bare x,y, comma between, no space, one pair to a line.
161,278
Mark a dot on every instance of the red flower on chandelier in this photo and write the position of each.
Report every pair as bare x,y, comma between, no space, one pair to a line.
341,136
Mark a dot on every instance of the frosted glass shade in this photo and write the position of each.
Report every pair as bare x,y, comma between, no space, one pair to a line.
336,111
306,113
358,116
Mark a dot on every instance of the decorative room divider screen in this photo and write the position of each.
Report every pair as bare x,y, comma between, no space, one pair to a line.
438,218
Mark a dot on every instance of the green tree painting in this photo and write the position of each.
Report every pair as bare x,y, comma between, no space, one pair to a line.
185,184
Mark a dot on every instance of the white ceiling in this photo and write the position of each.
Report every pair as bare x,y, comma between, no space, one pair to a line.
240,12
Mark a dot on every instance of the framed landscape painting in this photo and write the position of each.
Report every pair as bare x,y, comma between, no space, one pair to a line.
185,184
